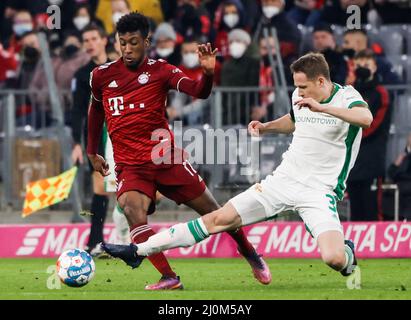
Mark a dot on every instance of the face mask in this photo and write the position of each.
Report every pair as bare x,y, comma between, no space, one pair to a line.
362,74
237,49
270,11
349,53
69,50
81,21
164,52
117,16
190,60
21,28
231,19
31,54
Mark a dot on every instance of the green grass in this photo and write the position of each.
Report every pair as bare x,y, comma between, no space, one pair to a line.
212,279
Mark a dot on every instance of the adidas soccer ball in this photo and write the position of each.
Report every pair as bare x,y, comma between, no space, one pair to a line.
75,267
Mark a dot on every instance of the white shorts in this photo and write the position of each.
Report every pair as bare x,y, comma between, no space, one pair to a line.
278,193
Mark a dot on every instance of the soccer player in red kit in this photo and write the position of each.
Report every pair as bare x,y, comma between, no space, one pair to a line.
130,95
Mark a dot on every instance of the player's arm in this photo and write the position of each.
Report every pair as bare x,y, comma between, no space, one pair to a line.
202,88
95,124
285,124
95,127
359,115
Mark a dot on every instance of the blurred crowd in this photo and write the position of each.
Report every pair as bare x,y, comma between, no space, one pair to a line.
358,57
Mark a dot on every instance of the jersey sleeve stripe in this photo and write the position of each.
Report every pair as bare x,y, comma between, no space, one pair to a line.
358,103
178,83
95,97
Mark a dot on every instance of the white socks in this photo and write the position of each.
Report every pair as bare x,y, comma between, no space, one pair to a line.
121,226
179,235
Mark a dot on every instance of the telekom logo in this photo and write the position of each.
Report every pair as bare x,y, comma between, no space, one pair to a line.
30,241
117,104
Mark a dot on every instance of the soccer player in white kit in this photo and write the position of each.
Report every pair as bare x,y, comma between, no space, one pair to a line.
326,120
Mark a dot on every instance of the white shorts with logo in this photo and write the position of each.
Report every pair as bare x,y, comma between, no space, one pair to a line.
278,193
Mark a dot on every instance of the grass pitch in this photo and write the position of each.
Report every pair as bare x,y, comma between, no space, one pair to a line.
210,279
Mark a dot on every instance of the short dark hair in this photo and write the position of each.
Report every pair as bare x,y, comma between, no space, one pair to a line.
354,31
133,22
323,27
365,54
94,27
313,65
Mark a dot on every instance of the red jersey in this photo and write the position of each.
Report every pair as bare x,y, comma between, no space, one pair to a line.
134,105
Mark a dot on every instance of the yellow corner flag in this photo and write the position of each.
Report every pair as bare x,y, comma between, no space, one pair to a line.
43,193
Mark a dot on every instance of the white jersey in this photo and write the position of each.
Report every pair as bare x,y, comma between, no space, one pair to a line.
324,148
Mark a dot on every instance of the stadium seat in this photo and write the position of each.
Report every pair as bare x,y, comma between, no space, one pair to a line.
306,36
402,113
402,65
338,33
392,40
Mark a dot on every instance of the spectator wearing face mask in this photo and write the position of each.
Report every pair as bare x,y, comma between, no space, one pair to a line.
29,57
183,107
241,70
22,23
82,17
356,40
324,42
165,42
229,16
110,12
369,169
71,58
289,36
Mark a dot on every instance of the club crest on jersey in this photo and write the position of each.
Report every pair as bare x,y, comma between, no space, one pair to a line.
143,78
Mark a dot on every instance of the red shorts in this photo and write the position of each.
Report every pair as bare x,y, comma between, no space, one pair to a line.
178,182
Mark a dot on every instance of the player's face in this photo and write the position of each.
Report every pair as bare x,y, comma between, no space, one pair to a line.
308,88
133,48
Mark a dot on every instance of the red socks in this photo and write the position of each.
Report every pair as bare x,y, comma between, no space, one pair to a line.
239,236
140,233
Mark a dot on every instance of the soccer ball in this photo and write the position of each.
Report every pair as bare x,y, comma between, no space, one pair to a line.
75,268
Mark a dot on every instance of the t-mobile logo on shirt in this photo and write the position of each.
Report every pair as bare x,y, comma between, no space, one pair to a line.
117,104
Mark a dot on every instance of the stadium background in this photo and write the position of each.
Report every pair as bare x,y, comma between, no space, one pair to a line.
36,102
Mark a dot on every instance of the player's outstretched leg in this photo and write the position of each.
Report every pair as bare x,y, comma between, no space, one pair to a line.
206,204
337,252
182,234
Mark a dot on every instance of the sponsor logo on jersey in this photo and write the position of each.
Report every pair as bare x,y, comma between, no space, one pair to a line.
143,78
176,70
316,120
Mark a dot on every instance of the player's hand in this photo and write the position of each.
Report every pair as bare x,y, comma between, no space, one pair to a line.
255,127
311,104
207,57
99,164
77,154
